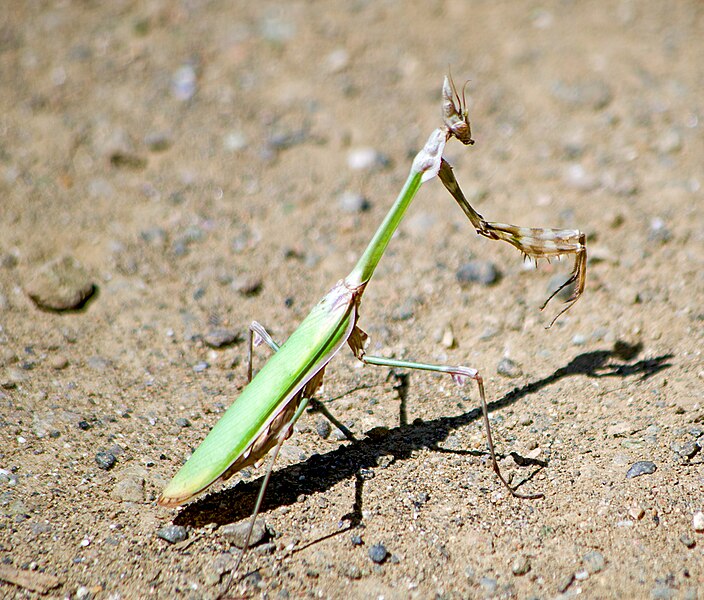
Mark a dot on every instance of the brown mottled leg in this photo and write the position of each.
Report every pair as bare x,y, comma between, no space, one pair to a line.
533,242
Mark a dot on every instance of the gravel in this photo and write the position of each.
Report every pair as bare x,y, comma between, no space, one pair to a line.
483,272
236,533
378,553
105,460
642,467
173,533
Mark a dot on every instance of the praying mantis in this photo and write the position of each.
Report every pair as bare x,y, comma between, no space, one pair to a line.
264,414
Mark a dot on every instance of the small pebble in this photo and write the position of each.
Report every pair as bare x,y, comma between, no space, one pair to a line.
18,508
448,338
157,141
378,553
277,30
236,533
201,366
579,340
621,429
59,285
130,489
509,368
687,541
642,467
659,232
173,533
489,585
363,159
58,362
282,137
39,528
489,333
9,261
292,453
184,83
698,521
687,450
235,141
219,338
663,592
323,428
670,142
484,272
350,202
247,285
338,435
593,562
521,565
405,311
7,357
183,422
105,460
366,474
337,60
636,512
579,178
352,572
385,460
421,498
98,363
43,425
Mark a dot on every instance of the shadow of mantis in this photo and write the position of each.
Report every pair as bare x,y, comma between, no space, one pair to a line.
321,472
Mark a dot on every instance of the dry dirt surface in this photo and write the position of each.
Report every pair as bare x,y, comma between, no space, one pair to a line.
170,171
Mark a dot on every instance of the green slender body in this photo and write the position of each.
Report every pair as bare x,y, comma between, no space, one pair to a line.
310,347
249,428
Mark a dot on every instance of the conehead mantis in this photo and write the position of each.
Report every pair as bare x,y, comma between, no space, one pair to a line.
264,414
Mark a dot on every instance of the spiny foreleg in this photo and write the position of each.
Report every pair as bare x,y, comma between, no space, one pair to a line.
534,242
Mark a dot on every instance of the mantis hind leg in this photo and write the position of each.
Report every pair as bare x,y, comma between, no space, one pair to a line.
459,376
283,436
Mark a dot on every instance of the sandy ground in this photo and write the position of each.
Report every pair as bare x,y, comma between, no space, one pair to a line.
201,161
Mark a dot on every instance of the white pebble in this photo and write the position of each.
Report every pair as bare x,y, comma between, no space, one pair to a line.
361,159
183,83
576,176
235,141
337,60
698,521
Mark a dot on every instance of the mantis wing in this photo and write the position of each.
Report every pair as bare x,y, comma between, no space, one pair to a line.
248,428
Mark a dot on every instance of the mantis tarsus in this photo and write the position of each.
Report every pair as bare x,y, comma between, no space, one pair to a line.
263,416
